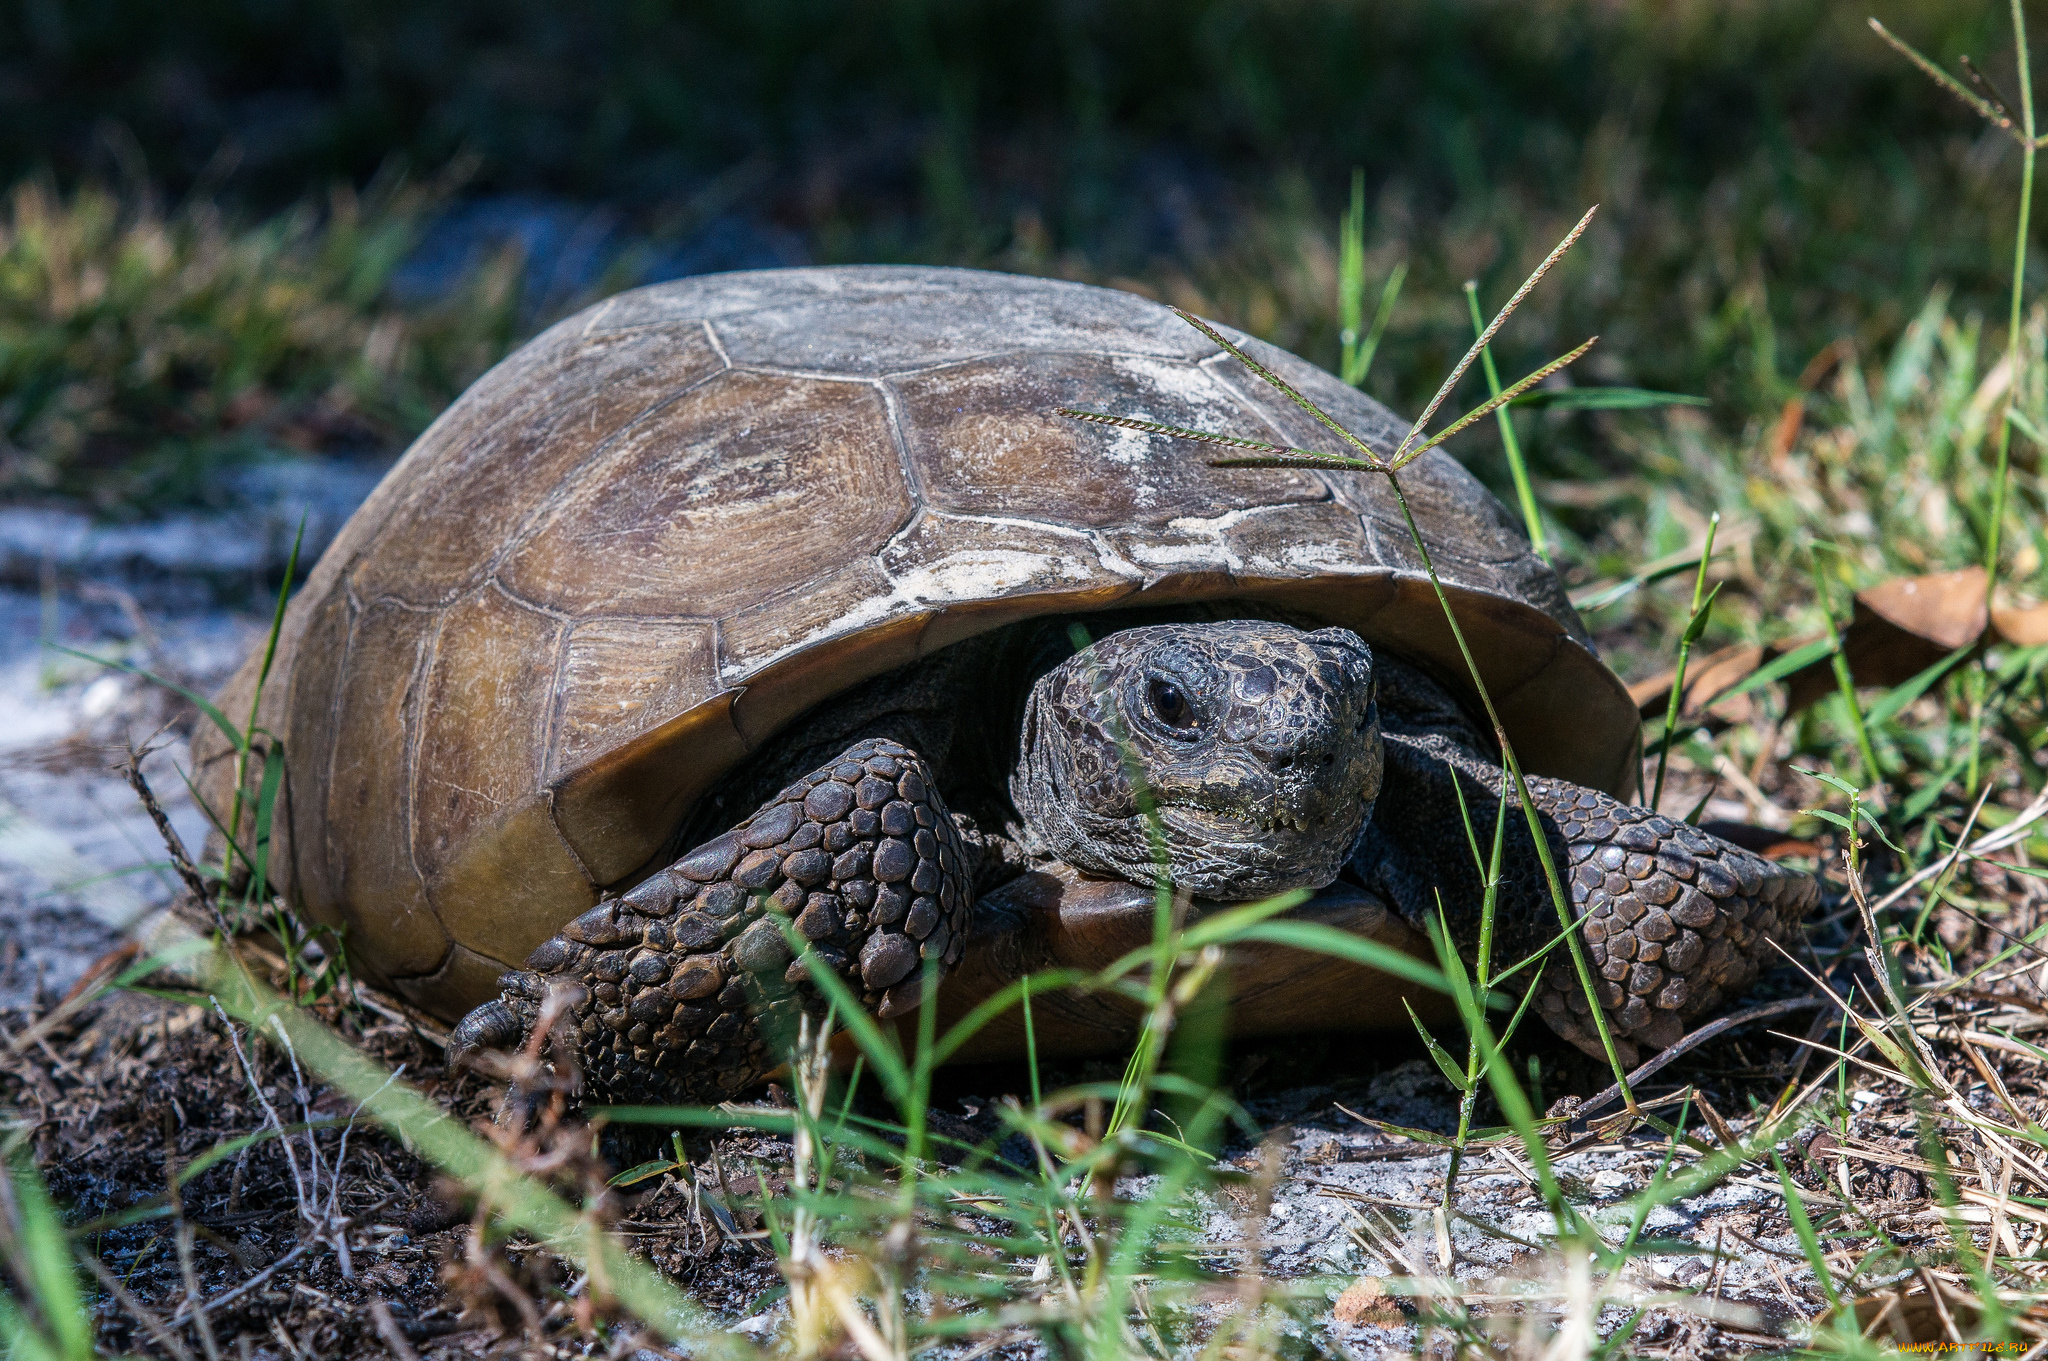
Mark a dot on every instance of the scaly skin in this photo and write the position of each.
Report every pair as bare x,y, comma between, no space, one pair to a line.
1674,920
688,989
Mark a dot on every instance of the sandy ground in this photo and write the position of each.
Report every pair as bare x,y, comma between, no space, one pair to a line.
79,859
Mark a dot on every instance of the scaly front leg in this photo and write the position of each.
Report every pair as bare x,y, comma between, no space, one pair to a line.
1672,921
689,990
1675,921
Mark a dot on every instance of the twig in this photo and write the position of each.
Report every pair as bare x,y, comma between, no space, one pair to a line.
1799,1308
1948,1322
82,994
1699,1037
222,1301
174,845
421,1029
198,1315
328,1223
1991,1078
269,1111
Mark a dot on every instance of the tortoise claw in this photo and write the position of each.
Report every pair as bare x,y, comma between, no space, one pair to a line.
493,1027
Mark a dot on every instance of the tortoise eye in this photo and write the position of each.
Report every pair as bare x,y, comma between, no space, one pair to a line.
1170,704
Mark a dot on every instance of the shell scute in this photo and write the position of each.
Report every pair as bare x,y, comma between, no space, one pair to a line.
986,440
718,501
472,479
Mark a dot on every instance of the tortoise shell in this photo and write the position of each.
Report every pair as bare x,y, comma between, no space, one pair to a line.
670,524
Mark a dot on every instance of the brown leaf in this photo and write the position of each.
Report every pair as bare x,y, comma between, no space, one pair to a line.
1706,677
1899,629
1946,609
1366,1301
2022,627
1760,840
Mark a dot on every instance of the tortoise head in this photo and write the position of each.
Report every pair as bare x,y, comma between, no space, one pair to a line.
1258,744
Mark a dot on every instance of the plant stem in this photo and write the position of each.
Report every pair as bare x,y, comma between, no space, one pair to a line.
1524,492
1693,624
233,826
1873,774
1513,765
1482,971
2019,279
2028,146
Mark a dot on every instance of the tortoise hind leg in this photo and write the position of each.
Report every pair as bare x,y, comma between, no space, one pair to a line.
689,989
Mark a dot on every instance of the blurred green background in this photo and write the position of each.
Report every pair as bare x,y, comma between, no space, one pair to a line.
239,226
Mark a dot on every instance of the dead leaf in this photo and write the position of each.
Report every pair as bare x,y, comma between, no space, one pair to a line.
1760,840
2022,626
1366,1301
1786,434
1946,609
1792,418
1706,677
1899,629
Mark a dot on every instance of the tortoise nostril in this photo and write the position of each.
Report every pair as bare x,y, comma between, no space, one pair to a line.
1282,761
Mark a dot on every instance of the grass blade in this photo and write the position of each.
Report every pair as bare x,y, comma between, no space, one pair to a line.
1207,437
53,1278
1281,385
1777,669
1604,399
880,1050
1403,459
1532,519
1328,940
192,697
1457,373
519,1201
1701,610
1809,1241
1453,1074
1898,697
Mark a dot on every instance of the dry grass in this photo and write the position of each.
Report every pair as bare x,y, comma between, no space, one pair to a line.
144,352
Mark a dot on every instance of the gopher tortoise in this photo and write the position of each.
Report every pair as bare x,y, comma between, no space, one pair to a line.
755,599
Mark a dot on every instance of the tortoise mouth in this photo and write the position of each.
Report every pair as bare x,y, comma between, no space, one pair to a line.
1215,820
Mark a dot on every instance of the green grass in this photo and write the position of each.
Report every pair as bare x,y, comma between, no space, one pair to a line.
146,352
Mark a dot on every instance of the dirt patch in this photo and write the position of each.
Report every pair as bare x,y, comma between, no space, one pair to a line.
139,1110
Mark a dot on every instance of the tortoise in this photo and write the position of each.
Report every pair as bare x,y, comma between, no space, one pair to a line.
788,597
